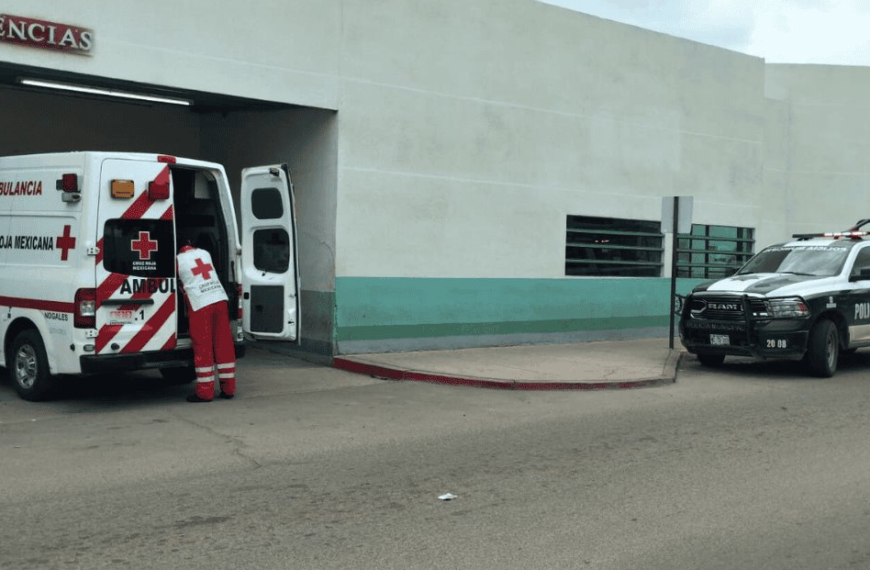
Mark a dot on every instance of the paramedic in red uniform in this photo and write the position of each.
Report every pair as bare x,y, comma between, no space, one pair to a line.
209,325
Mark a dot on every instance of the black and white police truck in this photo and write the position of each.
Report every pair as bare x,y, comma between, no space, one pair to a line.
808,299
87,261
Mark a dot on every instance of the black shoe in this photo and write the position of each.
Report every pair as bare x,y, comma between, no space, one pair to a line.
193,398
226,396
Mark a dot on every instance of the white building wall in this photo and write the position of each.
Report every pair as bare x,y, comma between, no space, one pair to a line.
827,142
773,200
469,131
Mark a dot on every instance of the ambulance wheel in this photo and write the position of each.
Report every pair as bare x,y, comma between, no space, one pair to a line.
28,366
178,375
823,349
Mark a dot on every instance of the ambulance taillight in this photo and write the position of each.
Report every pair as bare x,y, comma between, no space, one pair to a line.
69,182
85,309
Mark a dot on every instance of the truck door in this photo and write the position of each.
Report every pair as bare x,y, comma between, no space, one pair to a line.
857,299
270,278
135,258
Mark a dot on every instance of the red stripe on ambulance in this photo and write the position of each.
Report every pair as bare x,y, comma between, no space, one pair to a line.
138,208
108,332
169,343
21,303
111,284
149,329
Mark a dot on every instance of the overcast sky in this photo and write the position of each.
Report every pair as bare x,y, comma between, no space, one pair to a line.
781,31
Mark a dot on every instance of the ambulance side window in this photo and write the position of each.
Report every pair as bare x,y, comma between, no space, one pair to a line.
271,246
266,203
144,248
272,250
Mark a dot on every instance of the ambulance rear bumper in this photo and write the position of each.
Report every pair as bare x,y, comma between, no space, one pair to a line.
176,358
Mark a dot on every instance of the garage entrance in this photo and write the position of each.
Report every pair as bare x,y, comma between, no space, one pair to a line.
232,131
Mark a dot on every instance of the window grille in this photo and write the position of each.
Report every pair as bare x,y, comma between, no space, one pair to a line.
714,252
613,247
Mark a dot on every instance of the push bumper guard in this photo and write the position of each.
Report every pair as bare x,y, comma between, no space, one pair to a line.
749,336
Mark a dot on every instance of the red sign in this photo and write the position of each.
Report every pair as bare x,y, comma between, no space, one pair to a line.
144,245
65,243
46,35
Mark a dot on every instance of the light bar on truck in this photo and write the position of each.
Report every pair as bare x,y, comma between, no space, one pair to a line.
835,235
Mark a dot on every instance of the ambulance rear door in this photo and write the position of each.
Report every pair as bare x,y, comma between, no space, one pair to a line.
270,276
135,258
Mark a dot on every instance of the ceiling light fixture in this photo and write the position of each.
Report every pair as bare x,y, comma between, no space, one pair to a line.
100,91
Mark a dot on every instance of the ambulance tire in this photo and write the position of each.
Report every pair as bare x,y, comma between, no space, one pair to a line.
178,375
28,367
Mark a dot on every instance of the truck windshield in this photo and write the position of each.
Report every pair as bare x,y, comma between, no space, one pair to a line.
819,261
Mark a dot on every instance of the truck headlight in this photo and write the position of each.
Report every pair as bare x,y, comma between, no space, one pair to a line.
788,308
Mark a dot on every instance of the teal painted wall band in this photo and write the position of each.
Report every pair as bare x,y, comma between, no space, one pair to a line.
385,332
391,308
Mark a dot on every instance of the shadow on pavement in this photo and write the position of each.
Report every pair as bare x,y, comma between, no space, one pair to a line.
108,389
780,370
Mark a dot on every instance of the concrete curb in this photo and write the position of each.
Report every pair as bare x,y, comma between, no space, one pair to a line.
360,366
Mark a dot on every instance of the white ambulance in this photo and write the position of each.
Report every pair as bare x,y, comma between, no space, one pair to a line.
87,261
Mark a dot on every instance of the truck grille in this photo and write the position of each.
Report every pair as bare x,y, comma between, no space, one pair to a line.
725,308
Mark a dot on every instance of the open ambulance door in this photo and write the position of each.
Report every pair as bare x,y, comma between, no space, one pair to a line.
270,275
135,258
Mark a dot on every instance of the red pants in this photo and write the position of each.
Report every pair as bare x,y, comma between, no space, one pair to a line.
213,345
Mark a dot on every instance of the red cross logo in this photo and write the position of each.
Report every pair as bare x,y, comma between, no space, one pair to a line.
144,245
202,268
65,243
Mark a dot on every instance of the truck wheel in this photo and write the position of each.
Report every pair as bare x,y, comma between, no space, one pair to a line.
28,367
823,349
178,375
711,360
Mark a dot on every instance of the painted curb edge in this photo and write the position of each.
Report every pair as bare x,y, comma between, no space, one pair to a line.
669,376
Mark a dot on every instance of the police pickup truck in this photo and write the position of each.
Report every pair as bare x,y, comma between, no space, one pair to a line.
807,298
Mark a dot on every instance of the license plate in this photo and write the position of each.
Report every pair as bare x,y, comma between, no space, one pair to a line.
121,317
720,339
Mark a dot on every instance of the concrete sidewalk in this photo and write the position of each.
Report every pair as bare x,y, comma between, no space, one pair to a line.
633,363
